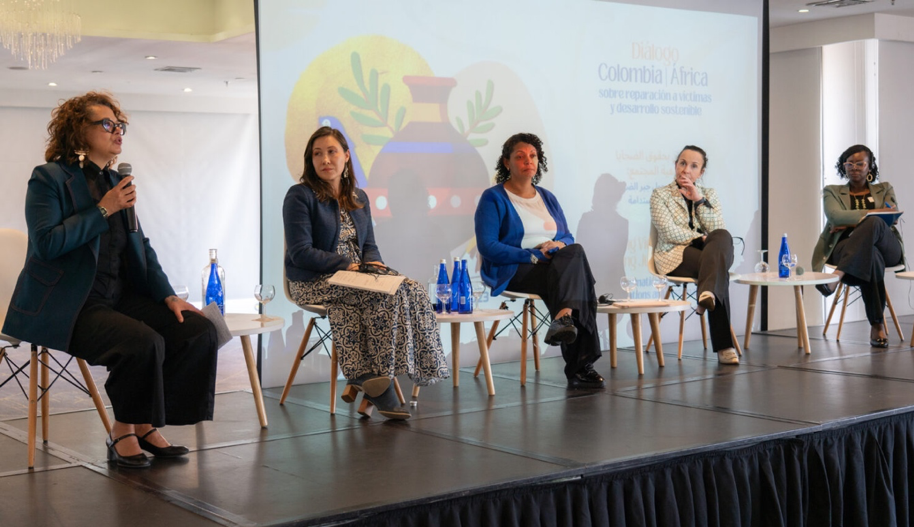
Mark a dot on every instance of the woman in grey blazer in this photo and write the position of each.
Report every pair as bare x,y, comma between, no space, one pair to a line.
859,247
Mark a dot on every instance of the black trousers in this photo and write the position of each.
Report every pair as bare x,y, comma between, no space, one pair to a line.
863,256
709,263
162,371
566,281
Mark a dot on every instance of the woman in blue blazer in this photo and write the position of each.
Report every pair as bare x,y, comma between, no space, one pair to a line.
327,223
94,289
526,247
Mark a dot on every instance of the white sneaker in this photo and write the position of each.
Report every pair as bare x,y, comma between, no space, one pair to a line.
728,356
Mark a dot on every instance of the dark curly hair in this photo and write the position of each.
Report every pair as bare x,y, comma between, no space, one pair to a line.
704,155
856,149
321,188
501,171
69,122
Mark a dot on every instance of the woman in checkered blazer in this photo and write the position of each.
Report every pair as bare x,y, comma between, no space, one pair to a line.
691,241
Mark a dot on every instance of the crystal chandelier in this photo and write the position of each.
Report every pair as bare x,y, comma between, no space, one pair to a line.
38,31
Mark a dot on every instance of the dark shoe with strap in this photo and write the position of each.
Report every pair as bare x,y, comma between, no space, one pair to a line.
586,379
160,451
561,331
389,405
135,461
371,383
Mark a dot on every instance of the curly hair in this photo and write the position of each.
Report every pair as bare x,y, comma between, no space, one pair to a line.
704,155
321,188
856,149
69,122
501,171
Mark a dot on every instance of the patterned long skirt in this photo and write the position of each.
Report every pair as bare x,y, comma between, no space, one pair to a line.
379,333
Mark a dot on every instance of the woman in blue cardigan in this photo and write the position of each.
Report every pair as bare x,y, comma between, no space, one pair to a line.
328,228
526,247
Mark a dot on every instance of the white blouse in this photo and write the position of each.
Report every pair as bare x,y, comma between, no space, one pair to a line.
539,225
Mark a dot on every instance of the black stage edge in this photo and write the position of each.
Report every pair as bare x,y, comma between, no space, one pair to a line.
858,474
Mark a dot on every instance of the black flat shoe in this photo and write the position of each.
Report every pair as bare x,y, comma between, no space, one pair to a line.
825,290
879,342
561,331
158,451
587,379
136,461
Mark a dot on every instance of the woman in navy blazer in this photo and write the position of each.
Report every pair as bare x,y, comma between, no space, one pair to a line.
94,289
526,247
327,223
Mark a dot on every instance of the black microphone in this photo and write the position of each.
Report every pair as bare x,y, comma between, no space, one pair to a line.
125,169
606,299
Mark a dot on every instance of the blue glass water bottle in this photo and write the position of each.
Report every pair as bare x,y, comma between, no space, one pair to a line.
783,270
465,305
442,281
215,290
454,304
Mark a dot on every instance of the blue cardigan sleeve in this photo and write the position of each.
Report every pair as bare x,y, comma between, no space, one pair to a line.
494,229
299,231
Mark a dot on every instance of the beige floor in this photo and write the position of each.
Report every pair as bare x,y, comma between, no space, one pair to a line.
231,376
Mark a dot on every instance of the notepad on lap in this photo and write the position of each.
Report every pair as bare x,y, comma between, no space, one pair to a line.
890,218
368,281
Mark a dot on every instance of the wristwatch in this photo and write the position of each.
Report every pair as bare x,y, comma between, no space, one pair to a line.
533,259
103,210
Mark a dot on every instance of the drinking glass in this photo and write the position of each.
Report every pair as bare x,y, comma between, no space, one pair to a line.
182,292
660,283
628,284
263,294
790,262
762,266
794,260
443,292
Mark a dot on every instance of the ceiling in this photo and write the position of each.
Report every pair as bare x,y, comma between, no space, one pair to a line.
228,67
786,12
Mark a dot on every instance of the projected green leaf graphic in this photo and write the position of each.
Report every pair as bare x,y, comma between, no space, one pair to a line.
373,104
479,114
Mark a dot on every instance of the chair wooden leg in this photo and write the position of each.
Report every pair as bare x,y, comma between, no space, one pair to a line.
523,346
45,394
416,391
399,391
297,361
847,293
33,404
681,330
489,340
834,304
93,392
334,372
536,340
888,302
704,331
612,340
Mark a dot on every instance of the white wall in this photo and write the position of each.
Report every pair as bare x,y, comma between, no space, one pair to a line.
198,185
794,171
896,115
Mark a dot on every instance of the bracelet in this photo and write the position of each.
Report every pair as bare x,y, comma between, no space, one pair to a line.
533,259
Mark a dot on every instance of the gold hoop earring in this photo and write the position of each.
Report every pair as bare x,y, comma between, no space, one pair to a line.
82,157
869,177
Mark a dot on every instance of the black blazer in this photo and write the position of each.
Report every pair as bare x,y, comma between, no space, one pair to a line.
64,225
312,229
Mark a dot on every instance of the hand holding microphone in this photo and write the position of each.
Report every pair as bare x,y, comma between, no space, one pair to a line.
126,171
121,197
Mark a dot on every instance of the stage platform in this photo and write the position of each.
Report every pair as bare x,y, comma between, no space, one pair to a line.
310,467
